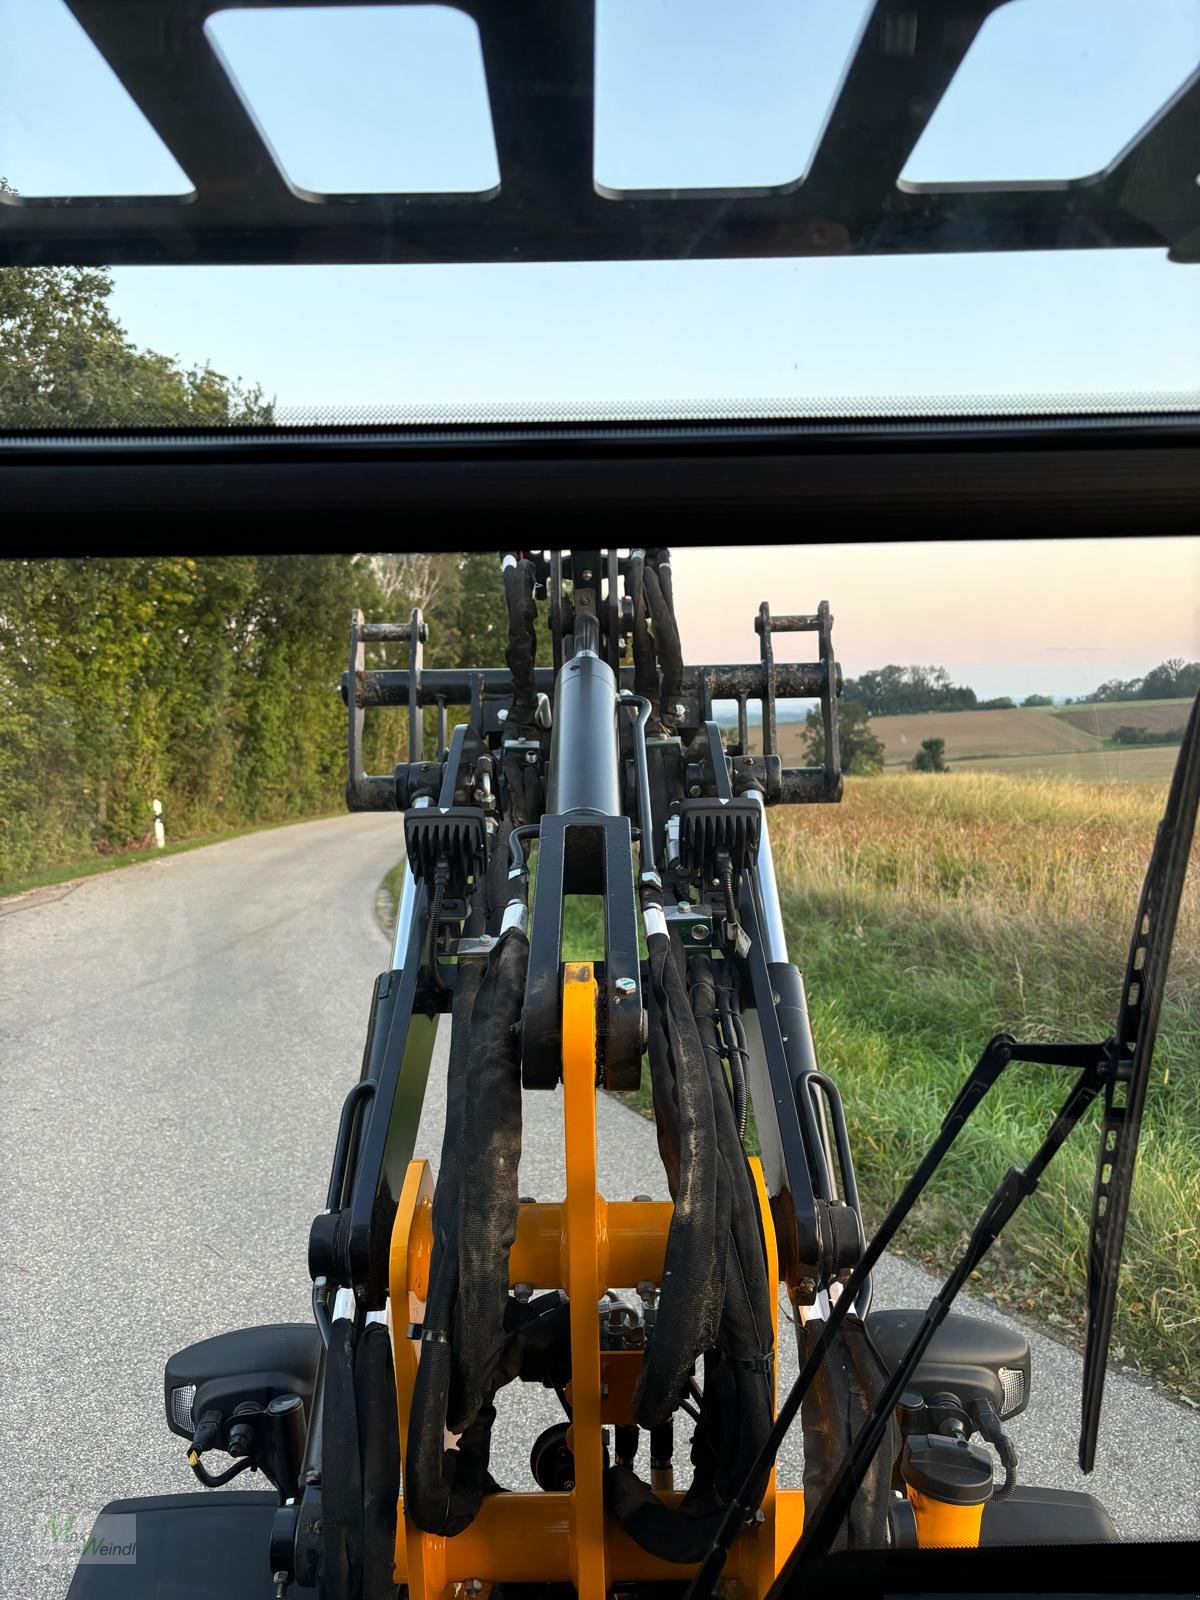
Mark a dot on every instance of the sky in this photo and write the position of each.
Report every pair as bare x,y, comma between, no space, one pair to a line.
689,92
1005,617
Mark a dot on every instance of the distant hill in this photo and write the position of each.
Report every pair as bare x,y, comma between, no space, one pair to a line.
972,734
1072,741
1102,719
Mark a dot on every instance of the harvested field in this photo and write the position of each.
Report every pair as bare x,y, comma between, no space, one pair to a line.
1102,721
967,734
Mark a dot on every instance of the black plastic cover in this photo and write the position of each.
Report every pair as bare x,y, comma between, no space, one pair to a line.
947,1469
245,1364
1049,1516
1068,1566
965,1357
204,1546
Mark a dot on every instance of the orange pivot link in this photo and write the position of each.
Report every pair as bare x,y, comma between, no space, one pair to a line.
584,1245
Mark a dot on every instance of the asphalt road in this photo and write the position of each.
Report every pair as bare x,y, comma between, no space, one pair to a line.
176,1041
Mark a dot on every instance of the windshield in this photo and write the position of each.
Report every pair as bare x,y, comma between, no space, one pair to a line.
191,926
945,293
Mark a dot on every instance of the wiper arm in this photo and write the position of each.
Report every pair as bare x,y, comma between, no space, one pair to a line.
1125,1096
822,1527
998,1053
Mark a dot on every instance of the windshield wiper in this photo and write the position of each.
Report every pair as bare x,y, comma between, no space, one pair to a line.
996,1056
1120,1067
1125,1096
822,1527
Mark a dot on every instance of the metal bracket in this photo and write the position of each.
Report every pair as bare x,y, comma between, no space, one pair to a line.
366,791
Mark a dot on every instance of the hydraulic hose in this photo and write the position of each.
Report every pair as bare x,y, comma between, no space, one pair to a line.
491,1151
521,787
444,1489
666,645
735,1408
645,667
694,1267
466,1352
735,1051
521,650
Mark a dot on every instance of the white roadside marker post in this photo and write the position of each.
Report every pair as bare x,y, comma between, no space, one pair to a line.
160,837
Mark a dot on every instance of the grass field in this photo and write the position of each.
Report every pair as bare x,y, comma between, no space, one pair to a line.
1128,764
927,915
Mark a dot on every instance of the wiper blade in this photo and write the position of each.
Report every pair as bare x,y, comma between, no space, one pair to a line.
1125,1096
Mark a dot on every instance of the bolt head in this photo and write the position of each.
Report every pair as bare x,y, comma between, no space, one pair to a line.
694,790
699,932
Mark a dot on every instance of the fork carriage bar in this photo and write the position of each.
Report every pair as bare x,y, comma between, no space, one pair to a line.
701,685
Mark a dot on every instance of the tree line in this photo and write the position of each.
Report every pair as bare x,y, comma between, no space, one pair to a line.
894,690
1170,680
208,683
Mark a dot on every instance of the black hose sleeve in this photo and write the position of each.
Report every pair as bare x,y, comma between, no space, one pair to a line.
521,785
736,1053
667,645
693,1273
521,650
737,1402
341,1567
660,560
662,1091
538,1347
672,1533
645,668
746,1338
834,1410
430,1476
490,1153
379,1440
